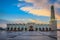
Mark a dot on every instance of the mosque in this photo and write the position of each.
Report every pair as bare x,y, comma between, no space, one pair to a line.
52,26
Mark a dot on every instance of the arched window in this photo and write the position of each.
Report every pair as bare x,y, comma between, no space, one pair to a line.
22,29
49,29
18,29
15,29
11,29
36,29
42,29
46,29
39,29
25,29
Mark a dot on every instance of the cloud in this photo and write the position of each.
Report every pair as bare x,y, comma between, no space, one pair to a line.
3,21
38,21
38,3
20,0
58,26
57,5
40,7
38,12
3,25
57,17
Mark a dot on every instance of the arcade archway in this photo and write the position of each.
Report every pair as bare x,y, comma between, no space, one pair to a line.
31,28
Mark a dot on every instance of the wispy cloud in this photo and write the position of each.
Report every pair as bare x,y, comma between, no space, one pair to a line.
38,12
26,21
41,7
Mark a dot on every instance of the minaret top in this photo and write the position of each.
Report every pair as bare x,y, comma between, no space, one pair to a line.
52,12
52,6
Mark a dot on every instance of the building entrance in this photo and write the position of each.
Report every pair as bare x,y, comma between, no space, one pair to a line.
31,28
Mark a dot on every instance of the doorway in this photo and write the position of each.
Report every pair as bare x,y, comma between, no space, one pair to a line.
31,28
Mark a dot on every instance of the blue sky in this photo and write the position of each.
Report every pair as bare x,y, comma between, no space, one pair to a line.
21,9
9,10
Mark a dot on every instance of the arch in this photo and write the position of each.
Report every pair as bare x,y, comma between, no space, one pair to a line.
15,29
18,28
11,29
36,29
31,28
39,29
43,29
50,29
7,28
25,29
22,29
46,29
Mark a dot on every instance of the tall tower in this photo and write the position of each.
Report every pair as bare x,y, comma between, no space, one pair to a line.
53,22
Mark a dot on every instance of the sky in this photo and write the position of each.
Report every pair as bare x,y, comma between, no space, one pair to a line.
22,11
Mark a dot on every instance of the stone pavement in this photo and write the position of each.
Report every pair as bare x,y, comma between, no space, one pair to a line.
32,35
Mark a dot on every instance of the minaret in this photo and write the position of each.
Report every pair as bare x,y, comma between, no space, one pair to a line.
53,22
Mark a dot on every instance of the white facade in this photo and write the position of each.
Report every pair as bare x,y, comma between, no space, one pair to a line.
41,26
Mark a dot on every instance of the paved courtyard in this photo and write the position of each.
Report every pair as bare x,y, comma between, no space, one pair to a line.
32,35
